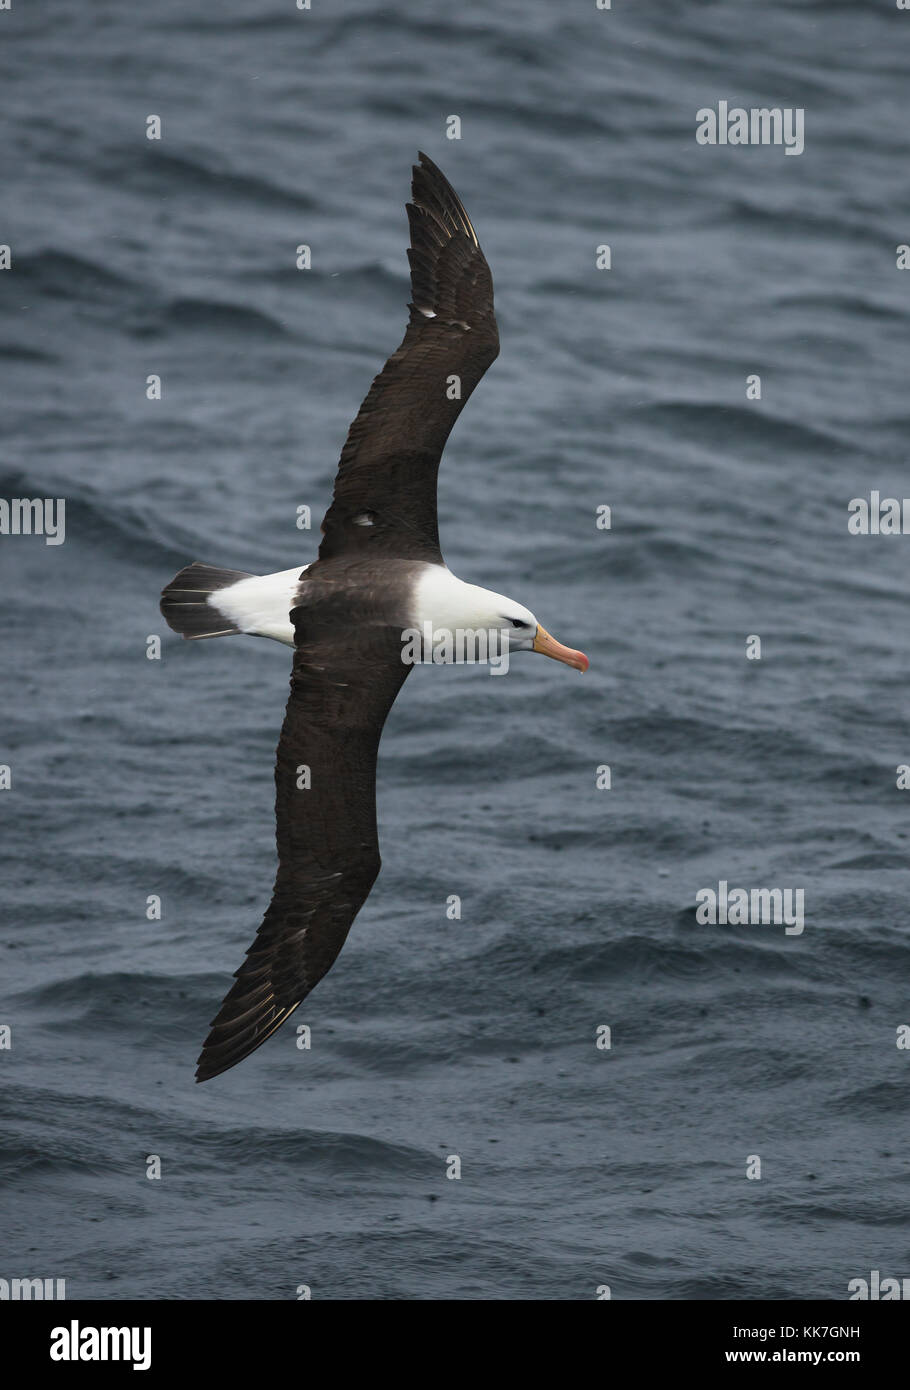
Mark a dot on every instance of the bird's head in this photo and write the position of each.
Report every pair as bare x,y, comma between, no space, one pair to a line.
525,633
447,607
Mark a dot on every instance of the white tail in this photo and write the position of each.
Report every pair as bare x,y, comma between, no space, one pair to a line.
206,601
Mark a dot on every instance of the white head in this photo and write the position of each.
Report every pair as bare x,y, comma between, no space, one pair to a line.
445,604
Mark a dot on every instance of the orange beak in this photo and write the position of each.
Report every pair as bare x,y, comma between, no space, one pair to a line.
549,646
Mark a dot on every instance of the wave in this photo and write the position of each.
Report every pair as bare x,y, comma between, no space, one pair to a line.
63,275
159,173
721,424
215,316
112,528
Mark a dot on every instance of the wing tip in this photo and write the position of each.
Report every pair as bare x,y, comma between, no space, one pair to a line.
213,1060
432,193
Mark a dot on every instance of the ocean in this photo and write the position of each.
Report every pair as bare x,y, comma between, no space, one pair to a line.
327,1171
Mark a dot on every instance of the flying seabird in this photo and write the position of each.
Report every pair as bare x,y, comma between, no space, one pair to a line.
379,576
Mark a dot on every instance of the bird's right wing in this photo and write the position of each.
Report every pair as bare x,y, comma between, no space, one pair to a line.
328,853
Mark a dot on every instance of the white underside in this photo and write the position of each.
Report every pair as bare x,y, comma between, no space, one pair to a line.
261,605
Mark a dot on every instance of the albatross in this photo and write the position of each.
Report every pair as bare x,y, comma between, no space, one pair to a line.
379,575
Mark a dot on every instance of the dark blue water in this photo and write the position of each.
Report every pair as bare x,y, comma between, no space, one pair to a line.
132,777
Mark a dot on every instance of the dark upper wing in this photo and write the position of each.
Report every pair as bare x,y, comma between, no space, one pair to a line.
328,853
385,491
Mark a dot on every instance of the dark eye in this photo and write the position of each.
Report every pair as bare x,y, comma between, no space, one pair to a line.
517,622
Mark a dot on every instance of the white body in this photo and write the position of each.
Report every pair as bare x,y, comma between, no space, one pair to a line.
261,606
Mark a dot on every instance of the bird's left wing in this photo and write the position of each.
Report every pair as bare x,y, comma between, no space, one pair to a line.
385,490
328,851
